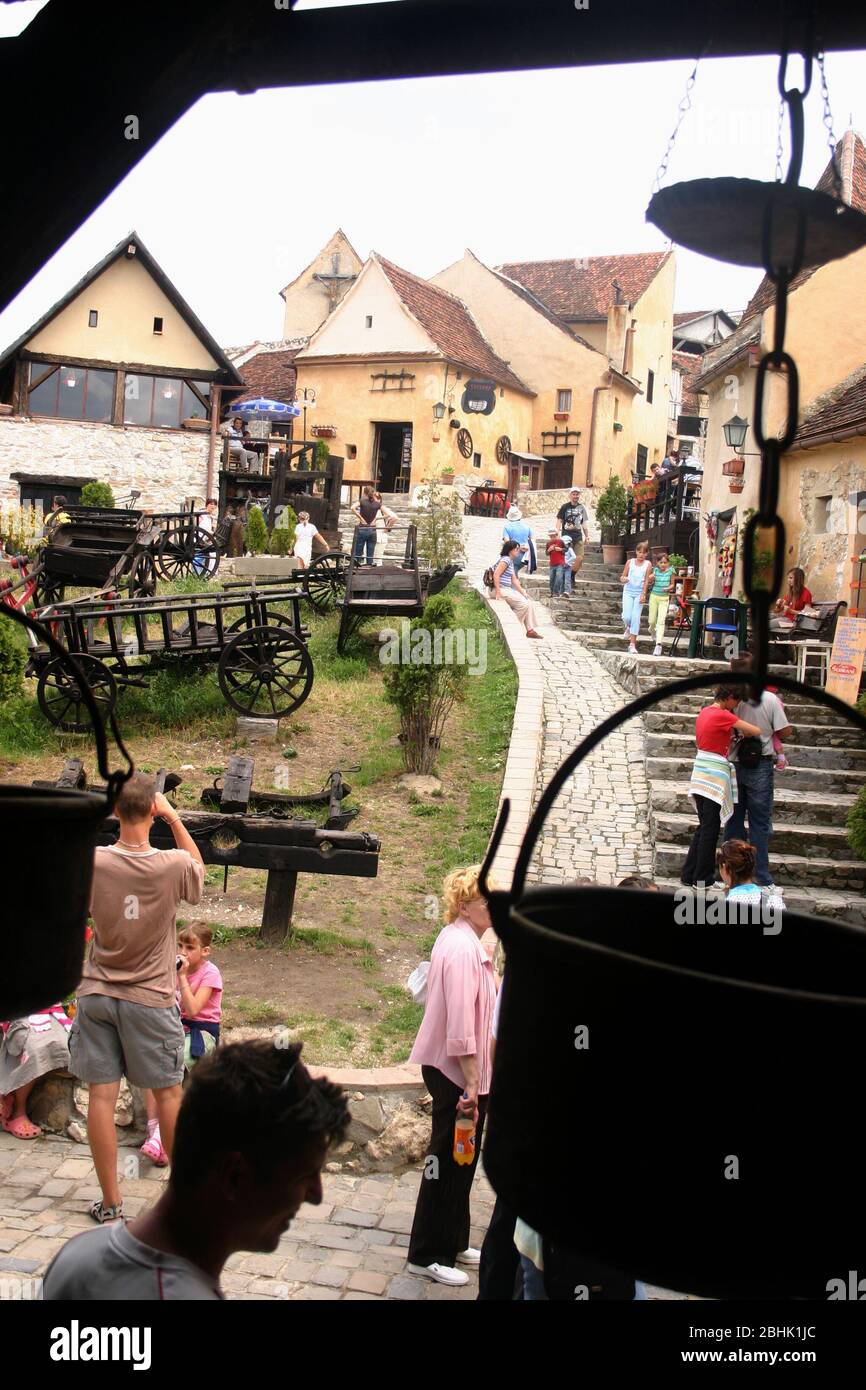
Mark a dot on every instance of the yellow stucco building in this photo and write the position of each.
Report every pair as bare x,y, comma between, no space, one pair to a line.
823,479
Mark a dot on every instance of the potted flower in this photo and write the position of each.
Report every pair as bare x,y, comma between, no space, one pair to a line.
733,468
448,475
678,562
736,484
645,490
610,512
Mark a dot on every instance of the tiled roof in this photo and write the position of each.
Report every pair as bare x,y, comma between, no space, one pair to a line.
851,158
271,374
695,314
529,298
726,352
451,326
582,290
689,363
841,408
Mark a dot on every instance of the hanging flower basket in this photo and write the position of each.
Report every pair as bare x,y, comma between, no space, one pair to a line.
736,484
52,833
323,431
646,491
734,468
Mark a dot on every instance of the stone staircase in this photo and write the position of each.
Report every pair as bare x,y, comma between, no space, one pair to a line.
394,546
810,857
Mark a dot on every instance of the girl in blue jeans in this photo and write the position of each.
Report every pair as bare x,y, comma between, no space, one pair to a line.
634,581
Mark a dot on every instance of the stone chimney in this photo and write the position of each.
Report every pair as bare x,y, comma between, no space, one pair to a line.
617,322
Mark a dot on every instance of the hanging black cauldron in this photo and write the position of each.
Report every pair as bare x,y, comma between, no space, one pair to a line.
48,838
677,1101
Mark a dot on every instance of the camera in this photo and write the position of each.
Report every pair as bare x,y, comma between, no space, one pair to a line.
178,962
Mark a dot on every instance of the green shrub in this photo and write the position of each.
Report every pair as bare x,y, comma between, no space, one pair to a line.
857,825
281,540
13,659
440,529
322,454
423,692
97,495
610,511
256,534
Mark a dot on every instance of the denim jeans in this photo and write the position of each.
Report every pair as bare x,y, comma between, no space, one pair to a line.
568,578
365,537
632,607
755,802
557,578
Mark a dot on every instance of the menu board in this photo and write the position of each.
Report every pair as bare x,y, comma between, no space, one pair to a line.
846,659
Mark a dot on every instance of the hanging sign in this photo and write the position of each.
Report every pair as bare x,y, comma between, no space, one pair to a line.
479,398
846,659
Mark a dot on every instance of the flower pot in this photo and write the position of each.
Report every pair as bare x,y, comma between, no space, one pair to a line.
6,409
597,977
613,554
736,485
195,424
733,468
52,834
447,479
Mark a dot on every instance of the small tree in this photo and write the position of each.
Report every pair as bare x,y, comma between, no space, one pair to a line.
322,454
440,530
425,691
282,538
13,659
256,534
97,495
610,511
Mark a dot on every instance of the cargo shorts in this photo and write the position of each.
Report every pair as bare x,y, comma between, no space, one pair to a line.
111,1038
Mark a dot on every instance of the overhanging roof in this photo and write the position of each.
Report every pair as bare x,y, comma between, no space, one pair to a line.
181,52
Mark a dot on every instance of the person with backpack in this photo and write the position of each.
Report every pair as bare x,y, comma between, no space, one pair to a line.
507,586
713,785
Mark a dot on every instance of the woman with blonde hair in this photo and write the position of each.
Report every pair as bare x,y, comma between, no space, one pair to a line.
453,1048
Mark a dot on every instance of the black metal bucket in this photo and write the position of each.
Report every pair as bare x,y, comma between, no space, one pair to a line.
704,1133
48,837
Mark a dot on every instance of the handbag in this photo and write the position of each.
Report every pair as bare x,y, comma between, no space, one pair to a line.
749,752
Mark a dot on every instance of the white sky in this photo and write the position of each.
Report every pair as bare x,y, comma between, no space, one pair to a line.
517,166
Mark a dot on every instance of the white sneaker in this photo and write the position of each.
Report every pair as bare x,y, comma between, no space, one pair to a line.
470,1257
443,1274
657,651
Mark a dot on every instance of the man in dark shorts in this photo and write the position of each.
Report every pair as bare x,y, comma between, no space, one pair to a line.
252,1135
573,521
128,1022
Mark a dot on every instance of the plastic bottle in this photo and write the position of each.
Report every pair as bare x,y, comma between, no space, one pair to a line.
464,1137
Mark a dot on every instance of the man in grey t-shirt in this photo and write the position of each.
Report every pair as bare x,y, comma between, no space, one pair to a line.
252,1137
755,784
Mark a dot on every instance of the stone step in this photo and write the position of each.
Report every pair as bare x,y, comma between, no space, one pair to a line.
803,840
788,870
611,640
828,736
790,807
824,780
797,710
819,902
680,748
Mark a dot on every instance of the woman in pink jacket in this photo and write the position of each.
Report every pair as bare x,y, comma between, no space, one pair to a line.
453,1048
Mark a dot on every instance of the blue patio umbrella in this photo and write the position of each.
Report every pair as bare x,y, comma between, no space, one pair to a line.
260,408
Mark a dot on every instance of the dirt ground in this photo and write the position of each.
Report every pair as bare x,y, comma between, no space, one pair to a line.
340,980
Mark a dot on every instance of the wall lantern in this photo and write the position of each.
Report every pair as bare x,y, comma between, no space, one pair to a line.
735,432
71,381
439,411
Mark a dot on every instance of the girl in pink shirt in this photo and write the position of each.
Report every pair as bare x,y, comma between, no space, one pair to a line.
453,1048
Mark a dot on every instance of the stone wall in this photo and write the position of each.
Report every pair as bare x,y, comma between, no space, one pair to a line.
165,466
548,502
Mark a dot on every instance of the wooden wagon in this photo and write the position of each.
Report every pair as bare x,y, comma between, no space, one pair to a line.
389,590
254,638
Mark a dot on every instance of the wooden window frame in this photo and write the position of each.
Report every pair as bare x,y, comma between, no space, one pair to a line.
560,392
29,386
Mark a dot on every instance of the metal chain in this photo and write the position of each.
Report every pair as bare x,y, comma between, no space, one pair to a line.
828,122
779,149
684,106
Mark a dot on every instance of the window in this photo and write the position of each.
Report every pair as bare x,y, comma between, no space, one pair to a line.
476,460
650,386
92,318
641,461
563,400
822,513
351,451
70,393
369,320
157,325
616,407
164,401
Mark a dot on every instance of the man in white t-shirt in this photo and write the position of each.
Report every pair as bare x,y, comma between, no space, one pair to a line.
755,785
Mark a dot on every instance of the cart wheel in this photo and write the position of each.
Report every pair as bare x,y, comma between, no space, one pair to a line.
266,671
242,625
325,580
48,590
142,580
60,697
178,548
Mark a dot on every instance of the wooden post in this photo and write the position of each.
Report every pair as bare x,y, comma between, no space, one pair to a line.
279,903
